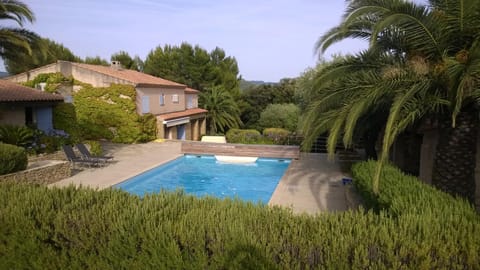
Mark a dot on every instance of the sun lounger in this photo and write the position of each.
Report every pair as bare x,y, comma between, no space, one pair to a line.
70,154
87,155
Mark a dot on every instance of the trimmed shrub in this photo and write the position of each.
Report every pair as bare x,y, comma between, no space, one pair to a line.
402,194
277,135
76,228
440,222
246,136
12,158
16,135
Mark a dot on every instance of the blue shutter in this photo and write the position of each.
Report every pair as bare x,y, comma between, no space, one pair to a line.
162,99
189,102
44,119
145,104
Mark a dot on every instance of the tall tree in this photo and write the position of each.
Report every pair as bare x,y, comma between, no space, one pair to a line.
127,61
255,99
97,60
435,74
223,112
194,66
44,51
16,39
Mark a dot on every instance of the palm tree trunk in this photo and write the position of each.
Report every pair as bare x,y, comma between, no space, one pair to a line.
454,165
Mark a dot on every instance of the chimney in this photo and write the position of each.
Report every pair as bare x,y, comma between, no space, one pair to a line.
116,65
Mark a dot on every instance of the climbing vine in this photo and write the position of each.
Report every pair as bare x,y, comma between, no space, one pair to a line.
99,113
110,113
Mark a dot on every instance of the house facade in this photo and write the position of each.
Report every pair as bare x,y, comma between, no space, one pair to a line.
25,106
174,105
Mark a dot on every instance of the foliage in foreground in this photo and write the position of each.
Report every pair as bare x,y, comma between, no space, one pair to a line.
49,228
12,158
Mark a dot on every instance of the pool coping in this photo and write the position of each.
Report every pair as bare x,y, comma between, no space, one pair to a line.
165,163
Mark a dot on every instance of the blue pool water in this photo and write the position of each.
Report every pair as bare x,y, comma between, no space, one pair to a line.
204,175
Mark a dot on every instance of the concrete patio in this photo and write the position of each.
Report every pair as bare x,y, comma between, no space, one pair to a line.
312,184
129,160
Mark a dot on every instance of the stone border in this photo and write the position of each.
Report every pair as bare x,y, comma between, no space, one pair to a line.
48,172
58,155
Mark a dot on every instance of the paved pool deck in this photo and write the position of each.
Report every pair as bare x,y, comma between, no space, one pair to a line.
129,160
312,184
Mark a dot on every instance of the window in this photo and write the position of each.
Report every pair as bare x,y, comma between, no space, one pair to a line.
162,99
145,104
175,98
189,102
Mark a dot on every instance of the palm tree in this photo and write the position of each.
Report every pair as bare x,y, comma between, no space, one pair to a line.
223,112
14,40
436,73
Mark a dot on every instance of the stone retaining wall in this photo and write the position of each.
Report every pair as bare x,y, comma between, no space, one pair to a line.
51,172
59,155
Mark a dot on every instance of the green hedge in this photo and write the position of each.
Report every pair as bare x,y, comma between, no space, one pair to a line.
277,135
246,136
12,159
402,194
446,226
50,228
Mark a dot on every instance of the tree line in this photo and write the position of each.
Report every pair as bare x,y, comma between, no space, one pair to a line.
213,72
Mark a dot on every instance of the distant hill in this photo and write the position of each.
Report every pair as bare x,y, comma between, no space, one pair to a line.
244,84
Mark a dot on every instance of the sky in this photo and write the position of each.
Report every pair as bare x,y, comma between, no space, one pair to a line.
271,39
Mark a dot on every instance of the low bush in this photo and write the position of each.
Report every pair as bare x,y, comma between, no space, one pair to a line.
95,148
76,228
246,136
277,135
402,194
12,158
16,135
443,223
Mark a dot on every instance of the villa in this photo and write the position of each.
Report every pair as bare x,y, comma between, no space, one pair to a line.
174,105
21,105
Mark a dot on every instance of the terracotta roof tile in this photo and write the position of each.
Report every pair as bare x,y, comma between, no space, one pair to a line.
11,92
189,112
189,90
135,77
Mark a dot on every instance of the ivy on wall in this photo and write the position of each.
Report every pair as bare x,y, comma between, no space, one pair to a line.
52,80
110,113
65,118
99,113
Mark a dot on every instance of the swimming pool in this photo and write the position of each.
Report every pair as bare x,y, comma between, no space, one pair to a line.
204,175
